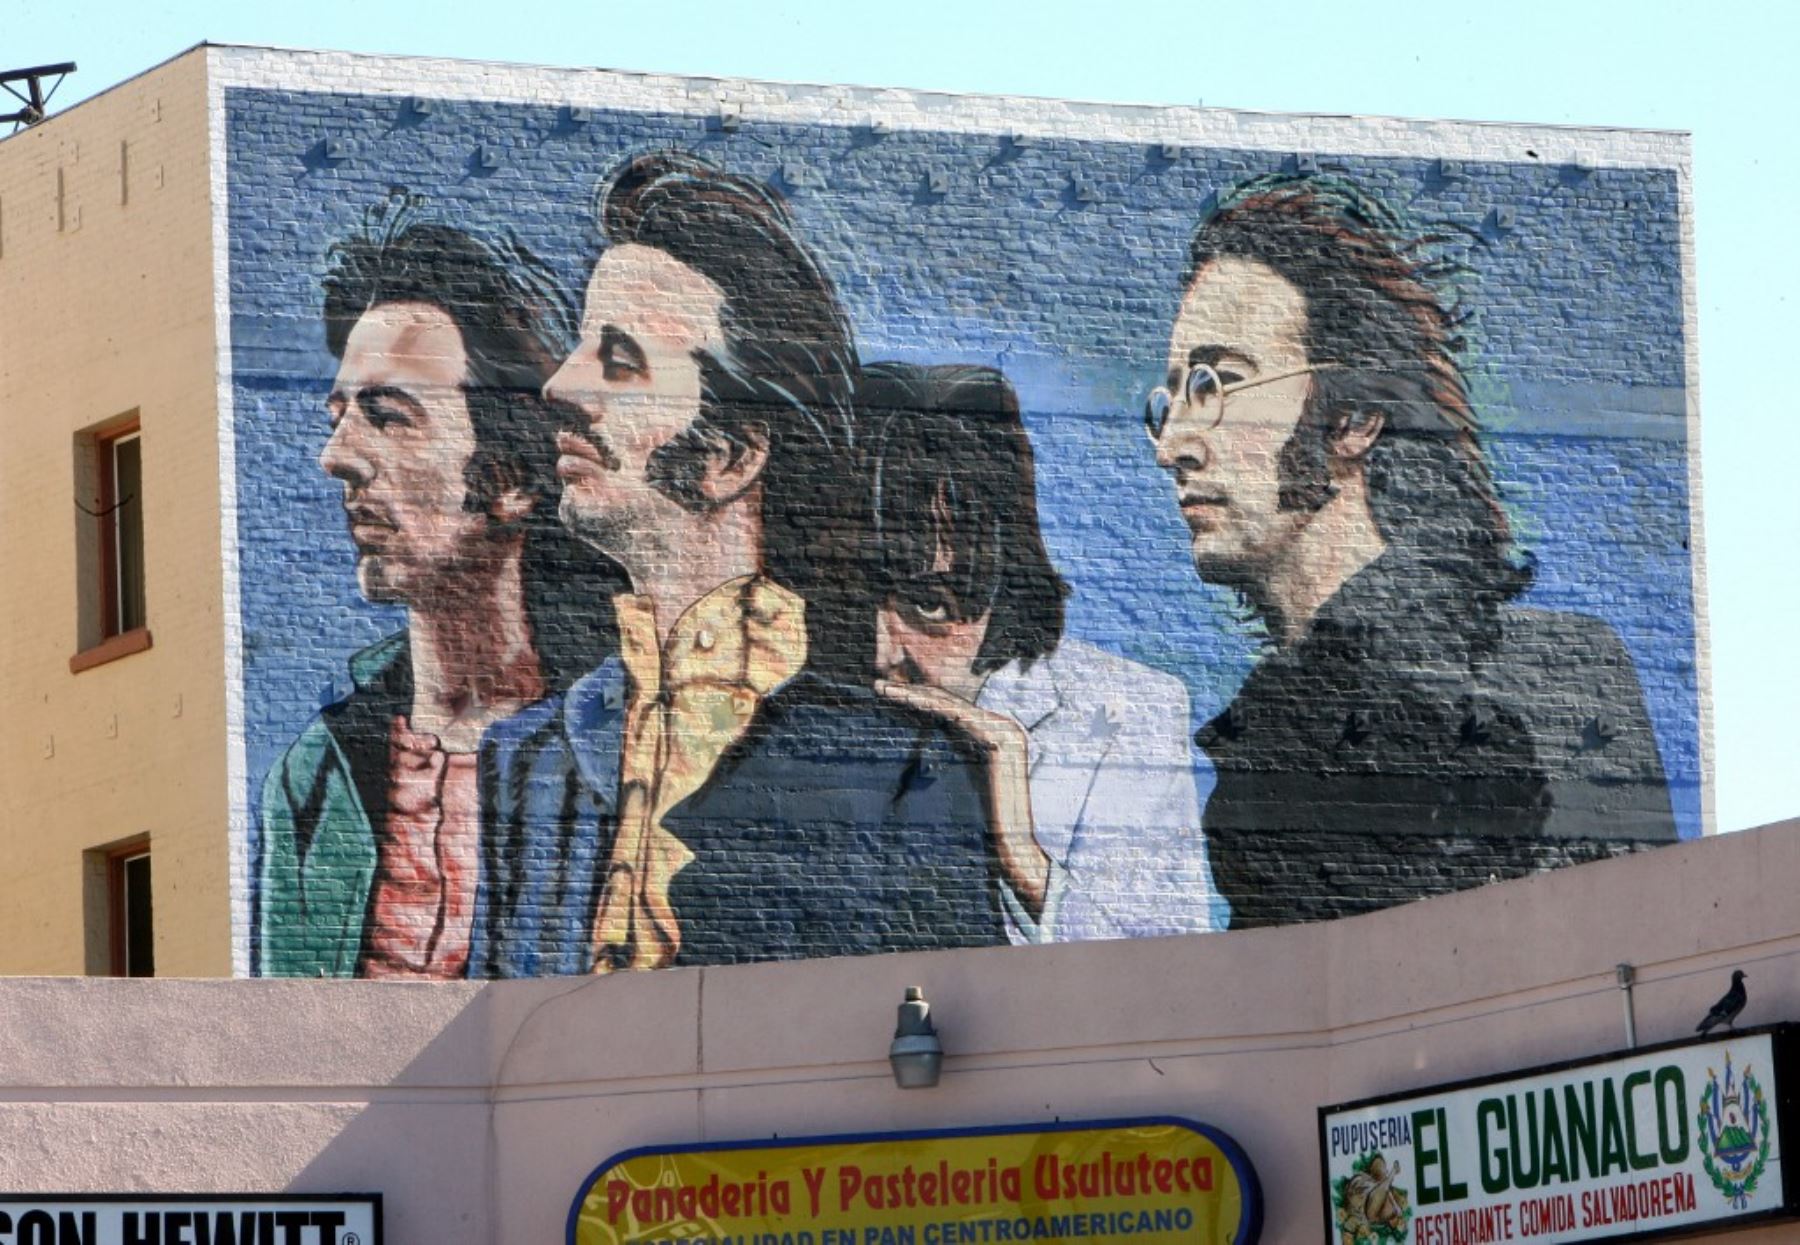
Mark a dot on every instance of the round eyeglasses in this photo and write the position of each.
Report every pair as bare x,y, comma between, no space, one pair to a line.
1204,393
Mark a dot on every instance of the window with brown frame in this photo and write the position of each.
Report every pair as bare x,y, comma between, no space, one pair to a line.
121,924
133,926
122,533
109,492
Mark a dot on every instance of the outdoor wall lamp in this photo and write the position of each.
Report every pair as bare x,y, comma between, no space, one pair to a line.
916,1054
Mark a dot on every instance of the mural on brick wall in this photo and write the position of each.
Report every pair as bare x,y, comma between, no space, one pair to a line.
664,542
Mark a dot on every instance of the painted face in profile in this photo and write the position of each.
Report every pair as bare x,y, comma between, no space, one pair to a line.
636,383
401,440
1243,321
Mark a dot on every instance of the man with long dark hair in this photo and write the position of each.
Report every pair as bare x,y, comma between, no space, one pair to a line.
443,444
743,791
1089,772
1413,729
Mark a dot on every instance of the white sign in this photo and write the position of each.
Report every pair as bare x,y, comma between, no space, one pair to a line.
1649,1142
183,1219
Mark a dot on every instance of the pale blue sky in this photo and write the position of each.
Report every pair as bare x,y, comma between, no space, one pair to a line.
1722,70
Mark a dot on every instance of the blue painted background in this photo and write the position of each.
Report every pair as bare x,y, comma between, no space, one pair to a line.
1577,362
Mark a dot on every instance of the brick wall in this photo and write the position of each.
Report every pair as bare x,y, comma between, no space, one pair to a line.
1432,613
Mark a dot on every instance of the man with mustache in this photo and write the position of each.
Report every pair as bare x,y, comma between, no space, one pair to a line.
1412,729
442,441
729,787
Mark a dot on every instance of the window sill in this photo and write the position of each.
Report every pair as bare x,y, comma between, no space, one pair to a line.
122,645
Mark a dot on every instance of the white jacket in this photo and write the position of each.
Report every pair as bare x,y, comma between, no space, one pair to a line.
1112,796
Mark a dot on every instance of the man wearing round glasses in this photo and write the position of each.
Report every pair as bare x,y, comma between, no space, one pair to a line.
1237,517
1412,729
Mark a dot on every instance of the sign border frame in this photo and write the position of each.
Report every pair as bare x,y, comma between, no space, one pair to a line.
1784,1044
373,1199
1241,1166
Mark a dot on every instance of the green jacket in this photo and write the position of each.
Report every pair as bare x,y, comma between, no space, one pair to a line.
321,804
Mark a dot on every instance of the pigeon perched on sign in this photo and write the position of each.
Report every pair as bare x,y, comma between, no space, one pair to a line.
1726,1009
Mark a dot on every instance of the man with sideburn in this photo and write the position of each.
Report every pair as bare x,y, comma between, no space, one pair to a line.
1412,728
728,788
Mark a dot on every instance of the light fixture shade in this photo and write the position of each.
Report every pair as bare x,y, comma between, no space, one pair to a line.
916,1055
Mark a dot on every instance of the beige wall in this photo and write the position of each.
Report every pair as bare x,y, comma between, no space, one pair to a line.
108,309
477,1110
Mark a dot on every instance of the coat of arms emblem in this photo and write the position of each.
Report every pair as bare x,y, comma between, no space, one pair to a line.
1734,1132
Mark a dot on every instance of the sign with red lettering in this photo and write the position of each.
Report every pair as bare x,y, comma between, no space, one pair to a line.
1159,1181
1658,1140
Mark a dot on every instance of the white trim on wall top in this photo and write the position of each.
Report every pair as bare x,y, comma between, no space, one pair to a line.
753,100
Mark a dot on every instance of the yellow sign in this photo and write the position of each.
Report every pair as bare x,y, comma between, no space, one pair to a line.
1160,1181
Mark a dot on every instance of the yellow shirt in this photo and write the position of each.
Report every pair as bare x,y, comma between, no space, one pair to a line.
686,703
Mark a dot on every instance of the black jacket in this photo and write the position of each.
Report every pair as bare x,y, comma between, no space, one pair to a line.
1421,738
840,824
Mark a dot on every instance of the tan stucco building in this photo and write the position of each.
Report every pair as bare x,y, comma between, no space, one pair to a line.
479,1109
114,735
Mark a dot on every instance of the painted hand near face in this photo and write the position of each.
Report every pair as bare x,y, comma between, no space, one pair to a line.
1005,750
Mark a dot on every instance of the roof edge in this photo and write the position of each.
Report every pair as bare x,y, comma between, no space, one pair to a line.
981,95
121,83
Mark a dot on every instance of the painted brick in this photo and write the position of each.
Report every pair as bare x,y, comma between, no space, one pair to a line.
1411,754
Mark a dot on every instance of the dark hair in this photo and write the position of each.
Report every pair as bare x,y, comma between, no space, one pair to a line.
952,475
785,379
504,318
1372,308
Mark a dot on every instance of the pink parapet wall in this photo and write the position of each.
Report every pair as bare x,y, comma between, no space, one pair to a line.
479,1109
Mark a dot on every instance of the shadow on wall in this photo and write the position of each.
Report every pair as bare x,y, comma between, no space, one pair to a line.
465,1147
424,1137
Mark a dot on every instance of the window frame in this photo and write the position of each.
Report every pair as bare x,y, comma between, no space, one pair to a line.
112,569
118,915
101,633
